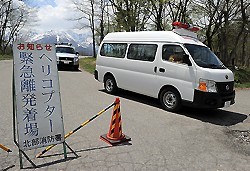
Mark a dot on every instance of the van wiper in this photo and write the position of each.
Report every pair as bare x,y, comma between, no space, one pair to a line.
216,66
223,66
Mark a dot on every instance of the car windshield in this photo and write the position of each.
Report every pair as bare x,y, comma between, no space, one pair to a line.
65,50
204,57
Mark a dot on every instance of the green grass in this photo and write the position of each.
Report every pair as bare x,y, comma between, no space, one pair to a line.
5,57
88,64
245,85
242,78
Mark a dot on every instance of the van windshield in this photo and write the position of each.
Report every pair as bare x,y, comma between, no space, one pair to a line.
204,57
65,50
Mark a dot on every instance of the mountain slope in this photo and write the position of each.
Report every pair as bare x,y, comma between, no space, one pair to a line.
79,41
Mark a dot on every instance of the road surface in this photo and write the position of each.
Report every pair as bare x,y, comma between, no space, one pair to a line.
190,140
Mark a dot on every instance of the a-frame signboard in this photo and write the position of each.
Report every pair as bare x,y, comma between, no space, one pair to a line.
37,118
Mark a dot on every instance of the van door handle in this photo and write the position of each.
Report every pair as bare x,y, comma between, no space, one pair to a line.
162,70
155,69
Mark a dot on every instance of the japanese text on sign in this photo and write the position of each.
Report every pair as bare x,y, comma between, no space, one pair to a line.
38,104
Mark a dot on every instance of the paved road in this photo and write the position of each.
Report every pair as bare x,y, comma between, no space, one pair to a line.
190,140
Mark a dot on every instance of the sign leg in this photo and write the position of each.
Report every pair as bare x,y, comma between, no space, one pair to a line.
20,159
64,150
71,150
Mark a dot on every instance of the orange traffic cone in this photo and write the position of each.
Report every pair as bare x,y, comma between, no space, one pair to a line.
115,135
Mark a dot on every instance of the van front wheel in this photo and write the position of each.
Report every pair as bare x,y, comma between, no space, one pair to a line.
170,100
110,84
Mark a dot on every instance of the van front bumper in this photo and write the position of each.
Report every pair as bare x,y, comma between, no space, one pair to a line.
68,61
212,100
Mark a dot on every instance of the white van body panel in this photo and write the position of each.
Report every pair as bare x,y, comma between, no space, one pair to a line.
150,36
130,75
127,72
182,79
137,75
217,75
143,36
141,76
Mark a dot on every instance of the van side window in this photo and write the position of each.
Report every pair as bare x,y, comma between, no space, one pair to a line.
117,50
172,53
143,52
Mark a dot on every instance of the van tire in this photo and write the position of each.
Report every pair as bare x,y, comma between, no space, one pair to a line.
110,84
170,99
76,67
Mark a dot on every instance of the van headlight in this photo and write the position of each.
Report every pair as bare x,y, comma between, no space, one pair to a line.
207,85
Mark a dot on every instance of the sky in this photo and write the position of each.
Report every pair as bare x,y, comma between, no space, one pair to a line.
40,3
52,15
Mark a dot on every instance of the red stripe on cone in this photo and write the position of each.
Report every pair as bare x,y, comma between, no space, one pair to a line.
115,135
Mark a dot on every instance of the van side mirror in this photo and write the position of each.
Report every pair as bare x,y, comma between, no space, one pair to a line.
186,60
77,53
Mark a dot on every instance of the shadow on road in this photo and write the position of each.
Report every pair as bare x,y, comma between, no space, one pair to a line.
8,168
51,163
214,116
75,157
217,116
77,151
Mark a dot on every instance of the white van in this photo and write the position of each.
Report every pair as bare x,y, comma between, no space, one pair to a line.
172,66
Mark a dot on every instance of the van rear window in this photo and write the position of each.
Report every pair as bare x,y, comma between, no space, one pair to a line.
143,52
116,50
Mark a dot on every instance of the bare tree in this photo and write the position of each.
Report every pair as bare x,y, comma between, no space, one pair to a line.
102,5
209,18
12,19
5,11
224,23
179,10
229,10
130,15
243,33
216,18
158,13
86,12
102,17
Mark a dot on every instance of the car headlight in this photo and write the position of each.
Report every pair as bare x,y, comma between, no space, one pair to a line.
76,59
207,86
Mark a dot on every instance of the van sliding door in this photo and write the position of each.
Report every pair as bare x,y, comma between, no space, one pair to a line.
139,75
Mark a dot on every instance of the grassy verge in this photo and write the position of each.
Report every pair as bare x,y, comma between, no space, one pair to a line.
6,57
242,78
88,64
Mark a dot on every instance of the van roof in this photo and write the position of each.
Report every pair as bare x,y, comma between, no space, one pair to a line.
175,36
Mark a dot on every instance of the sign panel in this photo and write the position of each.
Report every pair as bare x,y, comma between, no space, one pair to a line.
38,104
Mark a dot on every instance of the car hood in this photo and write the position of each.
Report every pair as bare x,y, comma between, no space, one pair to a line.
217,75
69,55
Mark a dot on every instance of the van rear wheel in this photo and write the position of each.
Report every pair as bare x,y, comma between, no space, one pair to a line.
110,84
170,100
